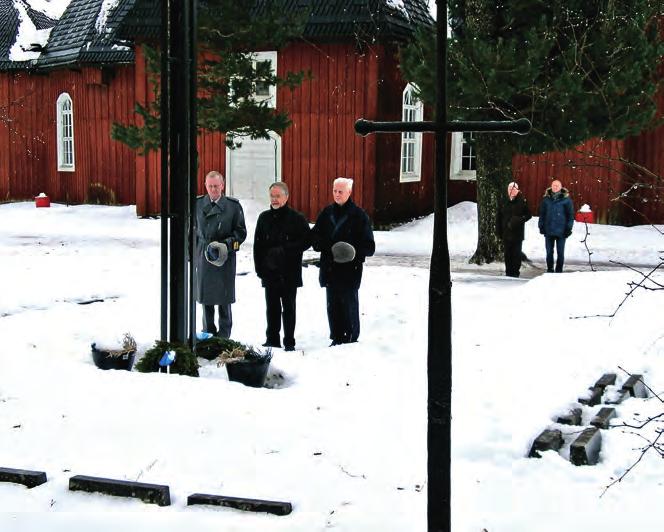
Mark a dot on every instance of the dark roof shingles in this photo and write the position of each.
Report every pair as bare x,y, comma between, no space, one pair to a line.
328,18
75,40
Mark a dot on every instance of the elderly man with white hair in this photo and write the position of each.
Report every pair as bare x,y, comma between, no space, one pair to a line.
513,213
344,237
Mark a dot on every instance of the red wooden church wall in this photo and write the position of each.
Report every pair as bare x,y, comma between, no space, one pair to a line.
211,152
321,143
592,173
396,201
647,151
28,150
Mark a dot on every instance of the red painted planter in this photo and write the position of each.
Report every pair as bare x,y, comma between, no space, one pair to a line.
42,201
587,217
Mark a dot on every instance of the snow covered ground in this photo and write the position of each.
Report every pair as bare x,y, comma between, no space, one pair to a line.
343,435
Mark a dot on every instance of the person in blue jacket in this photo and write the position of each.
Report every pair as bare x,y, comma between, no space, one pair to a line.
556,219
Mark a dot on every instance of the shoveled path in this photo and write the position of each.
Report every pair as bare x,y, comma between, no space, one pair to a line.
529,270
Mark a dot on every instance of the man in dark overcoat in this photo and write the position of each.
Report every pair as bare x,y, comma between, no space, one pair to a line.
220,229
281,235
556,220
511,218
344,237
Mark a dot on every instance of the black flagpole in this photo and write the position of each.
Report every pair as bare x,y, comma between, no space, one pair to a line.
180,51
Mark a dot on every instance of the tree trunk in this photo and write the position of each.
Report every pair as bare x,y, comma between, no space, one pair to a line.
494,172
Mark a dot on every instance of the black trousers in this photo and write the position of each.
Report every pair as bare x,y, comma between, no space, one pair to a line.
280,303
512,257
225,320
343,314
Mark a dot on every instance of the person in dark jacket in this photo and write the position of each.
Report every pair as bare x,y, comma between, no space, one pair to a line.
344,237
281,235
513,213
556,219
220,229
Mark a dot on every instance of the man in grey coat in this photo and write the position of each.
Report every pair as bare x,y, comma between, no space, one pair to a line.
220,229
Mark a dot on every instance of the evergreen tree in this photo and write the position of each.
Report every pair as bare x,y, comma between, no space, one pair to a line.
229,74
577,69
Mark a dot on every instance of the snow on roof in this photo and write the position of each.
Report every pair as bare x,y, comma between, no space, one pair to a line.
399,6
433,8
27,35
106,8
51,8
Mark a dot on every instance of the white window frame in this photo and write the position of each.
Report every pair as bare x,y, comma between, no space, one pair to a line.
258,57
65,133
456,160
410,158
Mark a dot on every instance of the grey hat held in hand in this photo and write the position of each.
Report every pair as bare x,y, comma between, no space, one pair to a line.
216,253
343,252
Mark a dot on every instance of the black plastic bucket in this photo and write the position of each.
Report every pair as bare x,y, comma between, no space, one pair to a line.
104,360
249,371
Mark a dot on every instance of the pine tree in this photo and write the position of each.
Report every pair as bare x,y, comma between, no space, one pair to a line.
577,69
229,32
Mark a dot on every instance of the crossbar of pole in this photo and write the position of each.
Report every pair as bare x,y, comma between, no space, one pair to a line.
522,126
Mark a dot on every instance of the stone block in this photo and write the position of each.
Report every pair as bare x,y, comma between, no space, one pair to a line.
573,417
601,420
615,397
548,440
635,386
148,493
240,503
595,397
606,380
28,478
585,449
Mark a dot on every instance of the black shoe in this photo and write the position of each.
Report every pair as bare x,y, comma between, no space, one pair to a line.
549,271
271,344
289,348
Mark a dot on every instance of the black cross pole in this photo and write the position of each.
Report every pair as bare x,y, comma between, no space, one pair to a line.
439,356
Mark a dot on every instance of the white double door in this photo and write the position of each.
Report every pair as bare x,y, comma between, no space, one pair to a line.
251,168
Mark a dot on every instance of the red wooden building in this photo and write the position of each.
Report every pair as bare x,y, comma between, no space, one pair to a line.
64,83
90,71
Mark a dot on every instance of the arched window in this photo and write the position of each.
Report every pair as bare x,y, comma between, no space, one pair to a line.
411,143
65,131
263,91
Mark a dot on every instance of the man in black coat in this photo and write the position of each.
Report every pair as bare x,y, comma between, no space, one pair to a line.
281,235
513,213
220,229
344,237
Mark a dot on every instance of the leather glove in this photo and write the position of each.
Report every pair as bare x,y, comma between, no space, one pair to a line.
216,253
343,252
